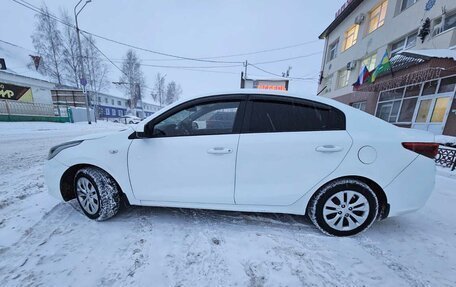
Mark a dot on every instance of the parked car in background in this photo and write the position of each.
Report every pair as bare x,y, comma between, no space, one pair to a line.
129,119
257,151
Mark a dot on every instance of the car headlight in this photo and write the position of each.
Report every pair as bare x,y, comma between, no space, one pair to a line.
58,148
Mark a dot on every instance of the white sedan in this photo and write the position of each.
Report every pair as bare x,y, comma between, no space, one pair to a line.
252,151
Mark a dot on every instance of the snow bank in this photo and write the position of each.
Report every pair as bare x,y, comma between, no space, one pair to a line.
445,140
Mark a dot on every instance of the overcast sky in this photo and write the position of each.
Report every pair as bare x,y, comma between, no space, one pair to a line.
197,29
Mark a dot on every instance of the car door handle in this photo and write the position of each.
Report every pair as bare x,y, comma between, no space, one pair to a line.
329,148
219,150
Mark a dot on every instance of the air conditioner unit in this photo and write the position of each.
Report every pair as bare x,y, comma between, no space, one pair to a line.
360,19
351,65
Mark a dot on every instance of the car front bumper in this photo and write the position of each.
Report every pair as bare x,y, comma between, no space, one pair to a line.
53,171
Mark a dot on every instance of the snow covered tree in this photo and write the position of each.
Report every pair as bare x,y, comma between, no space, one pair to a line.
132,78
173,92
159,91
47,41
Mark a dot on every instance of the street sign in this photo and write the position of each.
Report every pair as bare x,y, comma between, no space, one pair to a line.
83,82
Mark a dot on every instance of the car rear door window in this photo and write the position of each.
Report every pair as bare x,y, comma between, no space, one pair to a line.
293,116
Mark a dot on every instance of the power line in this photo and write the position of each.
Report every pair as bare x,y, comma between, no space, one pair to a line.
288,59
38,10
177,57
280,76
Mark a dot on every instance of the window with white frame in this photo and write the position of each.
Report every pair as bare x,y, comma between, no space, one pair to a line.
405,43
119,103
107,111
351,36
112,102
327,84
360,105
332,50
342,78
377,16
449,21
370,62
106,100
407,3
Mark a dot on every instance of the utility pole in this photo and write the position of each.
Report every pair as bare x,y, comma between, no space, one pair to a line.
245,69
83,79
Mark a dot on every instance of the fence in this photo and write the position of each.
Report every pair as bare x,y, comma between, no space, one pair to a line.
23,111
26,109
446,157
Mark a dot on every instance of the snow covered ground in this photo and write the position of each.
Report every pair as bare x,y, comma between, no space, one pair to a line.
47,243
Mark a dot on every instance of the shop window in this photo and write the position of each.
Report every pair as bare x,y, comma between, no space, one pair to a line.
447,85
108,112
351,36
412,91
342,78
429,88
388,111
391,95
423,111
407,109
369,62
398,106
440,107
360,105
332,50
407,3
377,16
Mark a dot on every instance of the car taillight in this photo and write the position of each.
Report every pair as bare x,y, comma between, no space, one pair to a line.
429,150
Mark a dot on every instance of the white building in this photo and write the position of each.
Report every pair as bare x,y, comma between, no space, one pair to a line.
359,36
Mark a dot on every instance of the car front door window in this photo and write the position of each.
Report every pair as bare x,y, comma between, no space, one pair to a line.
202,119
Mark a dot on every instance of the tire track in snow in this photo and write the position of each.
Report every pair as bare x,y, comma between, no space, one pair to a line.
409,274
26,250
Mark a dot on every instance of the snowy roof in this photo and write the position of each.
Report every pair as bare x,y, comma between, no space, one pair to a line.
431,53
19,62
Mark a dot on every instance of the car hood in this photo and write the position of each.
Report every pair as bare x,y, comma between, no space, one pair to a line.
103,135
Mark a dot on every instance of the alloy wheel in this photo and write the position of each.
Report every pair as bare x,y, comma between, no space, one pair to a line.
346,210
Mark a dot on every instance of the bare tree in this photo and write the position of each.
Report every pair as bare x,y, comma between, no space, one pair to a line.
159,91
70,51
96,68
47,42
173,91
132,78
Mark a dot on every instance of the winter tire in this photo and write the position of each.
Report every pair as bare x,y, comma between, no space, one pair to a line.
343,207
97,193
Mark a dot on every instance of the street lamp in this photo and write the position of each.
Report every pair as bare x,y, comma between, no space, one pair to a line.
83,79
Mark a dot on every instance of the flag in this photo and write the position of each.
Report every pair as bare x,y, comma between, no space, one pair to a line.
364,77
384,65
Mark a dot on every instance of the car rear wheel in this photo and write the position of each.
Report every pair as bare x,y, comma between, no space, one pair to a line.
344,207
97,193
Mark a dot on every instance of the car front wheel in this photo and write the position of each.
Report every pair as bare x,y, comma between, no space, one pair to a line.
97,193
344,207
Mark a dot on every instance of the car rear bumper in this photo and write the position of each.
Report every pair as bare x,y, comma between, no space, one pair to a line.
53,171
410,190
